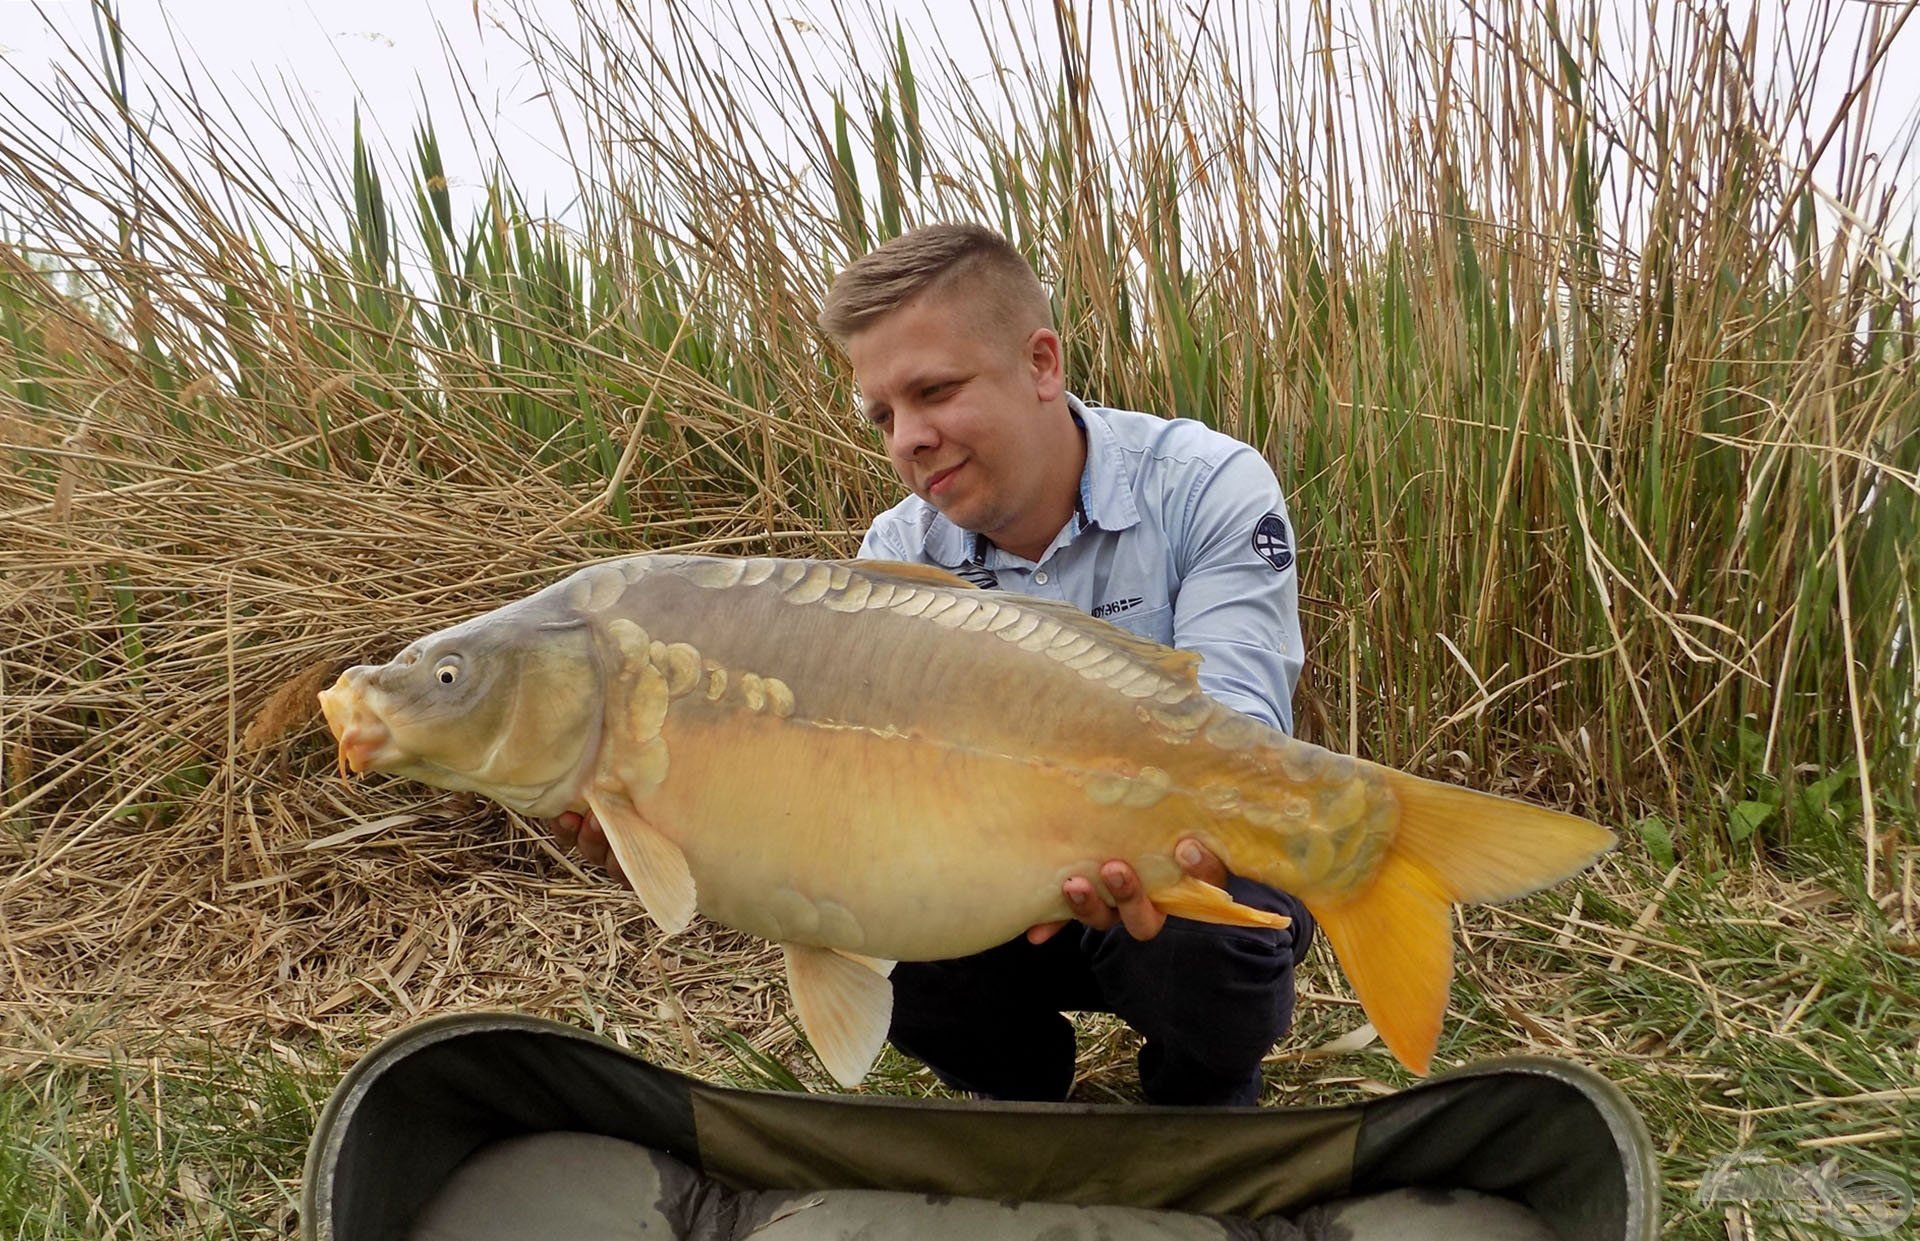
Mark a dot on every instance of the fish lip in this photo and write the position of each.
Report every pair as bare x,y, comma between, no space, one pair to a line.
363,740
363,753
336,703
336,706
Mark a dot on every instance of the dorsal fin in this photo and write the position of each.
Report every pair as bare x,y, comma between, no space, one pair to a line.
1181,667
908,571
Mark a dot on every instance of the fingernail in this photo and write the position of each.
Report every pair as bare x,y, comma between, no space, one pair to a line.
1189,853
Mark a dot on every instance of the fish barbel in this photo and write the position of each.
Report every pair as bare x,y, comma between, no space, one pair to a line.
868,762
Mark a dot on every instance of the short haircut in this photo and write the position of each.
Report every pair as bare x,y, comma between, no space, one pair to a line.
946,258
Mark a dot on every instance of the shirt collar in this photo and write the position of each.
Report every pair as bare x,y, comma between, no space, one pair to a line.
1106,492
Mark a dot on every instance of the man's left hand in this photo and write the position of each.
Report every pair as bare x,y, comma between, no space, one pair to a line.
1142,918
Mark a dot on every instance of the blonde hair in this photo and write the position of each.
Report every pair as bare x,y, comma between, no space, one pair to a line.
967,258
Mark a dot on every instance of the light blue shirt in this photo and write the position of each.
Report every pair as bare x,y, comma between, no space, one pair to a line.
1180,535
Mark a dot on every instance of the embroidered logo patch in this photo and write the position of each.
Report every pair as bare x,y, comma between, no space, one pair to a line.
1271,542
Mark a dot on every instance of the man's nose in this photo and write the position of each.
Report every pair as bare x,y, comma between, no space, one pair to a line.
913,432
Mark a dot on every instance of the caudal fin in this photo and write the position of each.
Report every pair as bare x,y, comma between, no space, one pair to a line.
1452,845
1485,849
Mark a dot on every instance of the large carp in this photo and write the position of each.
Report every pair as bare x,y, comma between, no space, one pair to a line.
867,762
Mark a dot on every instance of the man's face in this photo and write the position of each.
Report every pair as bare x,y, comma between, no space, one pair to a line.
957,402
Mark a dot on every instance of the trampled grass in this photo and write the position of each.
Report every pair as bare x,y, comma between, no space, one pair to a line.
1596,409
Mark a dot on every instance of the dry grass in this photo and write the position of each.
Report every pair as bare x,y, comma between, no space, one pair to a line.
1583,488
228,884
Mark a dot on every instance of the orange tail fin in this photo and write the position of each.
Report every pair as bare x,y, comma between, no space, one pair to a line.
1396,948
1452,845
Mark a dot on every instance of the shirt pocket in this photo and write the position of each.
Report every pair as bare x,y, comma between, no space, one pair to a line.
1155,625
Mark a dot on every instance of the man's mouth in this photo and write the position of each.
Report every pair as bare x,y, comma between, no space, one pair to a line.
938,483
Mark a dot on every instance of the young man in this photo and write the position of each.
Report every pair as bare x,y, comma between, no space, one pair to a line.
1164,528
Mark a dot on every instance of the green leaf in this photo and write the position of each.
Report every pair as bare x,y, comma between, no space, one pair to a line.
1659,842
1747,818
909,105
764,1071
846,180
433,178
369,206
886,158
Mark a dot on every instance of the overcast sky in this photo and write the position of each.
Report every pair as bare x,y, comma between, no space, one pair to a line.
392,57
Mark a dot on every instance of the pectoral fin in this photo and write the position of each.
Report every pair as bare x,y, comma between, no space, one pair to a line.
652,863
845,1007
1201,901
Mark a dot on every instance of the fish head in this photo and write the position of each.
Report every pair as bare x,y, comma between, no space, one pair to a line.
507,705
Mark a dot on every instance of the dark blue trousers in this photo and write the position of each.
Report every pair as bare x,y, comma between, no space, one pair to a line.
1210,1000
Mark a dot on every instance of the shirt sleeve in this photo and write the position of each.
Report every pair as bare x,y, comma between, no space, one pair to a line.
1238,605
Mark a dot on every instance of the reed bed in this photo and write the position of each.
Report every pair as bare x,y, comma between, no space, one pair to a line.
1590,375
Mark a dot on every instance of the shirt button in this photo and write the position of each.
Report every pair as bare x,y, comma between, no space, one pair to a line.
1040,578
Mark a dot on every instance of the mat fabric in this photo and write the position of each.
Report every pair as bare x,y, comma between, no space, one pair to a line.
585,1187
411,1138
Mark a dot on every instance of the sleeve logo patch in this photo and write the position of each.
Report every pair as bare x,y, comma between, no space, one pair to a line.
1271,542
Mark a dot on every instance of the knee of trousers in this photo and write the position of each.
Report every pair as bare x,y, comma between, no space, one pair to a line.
926,995
1008,985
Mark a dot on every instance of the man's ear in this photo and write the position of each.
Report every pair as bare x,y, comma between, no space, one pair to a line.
1045,360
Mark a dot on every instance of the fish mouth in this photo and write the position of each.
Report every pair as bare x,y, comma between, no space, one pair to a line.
364,740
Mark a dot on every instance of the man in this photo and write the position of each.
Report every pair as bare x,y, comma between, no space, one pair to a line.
1167,529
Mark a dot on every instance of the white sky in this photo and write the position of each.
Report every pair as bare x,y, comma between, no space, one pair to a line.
391,56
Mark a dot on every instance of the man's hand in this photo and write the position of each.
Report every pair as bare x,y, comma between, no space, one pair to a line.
582,833
1142,918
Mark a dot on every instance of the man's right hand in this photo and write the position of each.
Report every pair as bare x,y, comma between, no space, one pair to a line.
582,833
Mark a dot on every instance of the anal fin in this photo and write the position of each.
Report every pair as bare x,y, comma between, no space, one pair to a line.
845,1006
653,864
1201,901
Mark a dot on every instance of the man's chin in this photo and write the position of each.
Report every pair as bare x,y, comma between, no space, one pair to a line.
967,517
963,510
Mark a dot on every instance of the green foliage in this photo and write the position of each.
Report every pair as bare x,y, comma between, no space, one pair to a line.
133,1150
756,1069
1653,832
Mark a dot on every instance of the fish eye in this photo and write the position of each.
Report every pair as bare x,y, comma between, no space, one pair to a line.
447,674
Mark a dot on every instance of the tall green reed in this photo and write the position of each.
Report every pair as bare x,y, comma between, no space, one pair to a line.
1598,415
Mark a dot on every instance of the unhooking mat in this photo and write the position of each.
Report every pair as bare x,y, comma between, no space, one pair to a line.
500,1127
